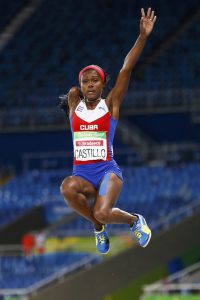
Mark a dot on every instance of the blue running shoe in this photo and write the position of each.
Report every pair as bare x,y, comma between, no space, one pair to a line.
102,240
141,231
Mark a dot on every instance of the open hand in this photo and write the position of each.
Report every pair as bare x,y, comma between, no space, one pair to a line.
147,22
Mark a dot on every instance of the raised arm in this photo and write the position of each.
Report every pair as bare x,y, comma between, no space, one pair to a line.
118,92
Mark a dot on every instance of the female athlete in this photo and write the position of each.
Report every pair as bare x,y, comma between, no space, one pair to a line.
93,122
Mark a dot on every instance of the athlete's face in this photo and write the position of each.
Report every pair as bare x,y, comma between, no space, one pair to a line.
91,84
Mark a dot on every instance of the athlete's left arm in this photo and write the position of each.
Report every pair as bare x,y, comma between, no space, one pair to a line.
118,92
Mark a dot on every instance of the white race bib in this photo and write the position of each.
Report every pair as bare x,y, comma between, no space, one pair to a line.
90,145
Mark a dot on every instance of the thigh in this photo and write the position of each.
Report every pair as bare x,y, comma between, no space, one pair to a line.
79,185
108,192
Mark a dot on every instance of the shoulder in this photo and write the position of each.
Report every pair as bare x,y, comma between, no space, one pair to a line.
74,95
74,92
73,98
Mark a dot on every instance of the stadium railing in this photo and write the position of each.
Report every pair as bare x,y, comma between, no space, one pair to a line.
173,284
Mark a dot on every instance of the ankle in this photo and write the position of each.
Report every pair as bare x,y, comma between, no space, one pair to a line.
133,220
98,227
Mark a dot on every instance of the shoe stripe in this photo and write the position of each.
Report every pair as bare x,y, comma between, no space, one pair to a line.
142,220
147,240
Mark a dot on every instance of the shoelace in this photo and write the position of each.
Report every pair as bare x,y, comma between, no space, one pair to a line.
101,238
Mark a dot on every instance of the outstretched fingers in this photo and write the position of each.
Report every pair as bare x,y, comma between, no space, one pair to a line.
154,19
149,12
142,13
150,15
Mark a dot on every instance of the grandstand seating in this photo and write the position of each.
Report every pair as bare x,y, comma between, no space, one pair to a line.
42,60
20,272
28,190
154,192
164,187
176,69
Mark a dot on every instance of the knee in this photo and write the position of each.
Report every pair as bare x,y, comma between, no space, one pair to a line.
68,188
102,215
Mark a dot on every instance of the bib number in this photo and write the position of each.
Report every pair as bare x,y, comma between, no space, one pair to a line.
90,145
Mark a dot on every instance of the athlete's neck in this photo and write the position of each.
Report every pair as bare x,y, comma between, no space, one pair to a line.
92,101
91,104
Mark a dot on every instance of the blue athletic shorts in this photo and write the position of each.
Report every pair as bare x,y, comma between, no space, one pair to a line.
94,173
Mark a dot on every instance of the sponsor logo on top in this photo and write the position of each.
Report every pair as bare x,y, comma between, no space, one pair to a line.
80,108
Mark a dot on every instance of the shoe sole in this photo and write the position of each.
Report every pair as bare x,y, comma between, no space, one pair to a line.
104,253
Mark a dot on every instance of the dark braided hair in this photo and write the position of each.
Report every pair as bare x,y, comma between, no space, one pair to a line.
64,105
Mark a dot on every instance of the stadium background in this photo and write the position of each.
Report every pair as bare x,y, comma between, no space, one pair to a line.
47,251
